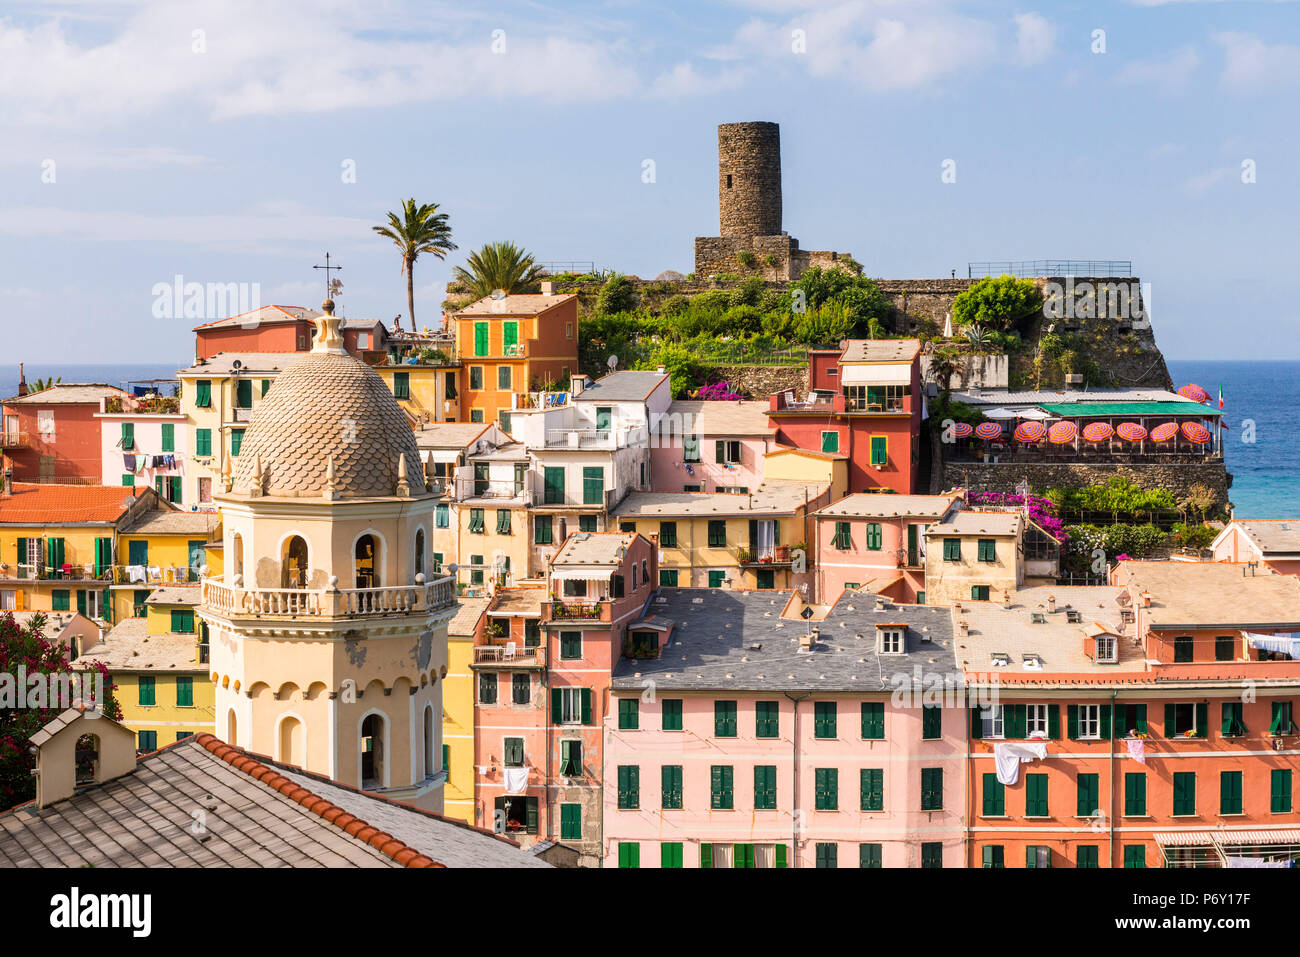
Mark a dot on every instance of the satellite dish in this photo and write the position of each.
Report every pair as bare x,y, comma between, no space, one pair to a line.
236,365
612,362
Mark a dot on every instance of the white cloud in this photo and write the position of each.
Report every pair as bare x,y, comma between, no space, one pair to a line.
684,80
1252,66
74,158
288,224
1035,38
1169,74
1203,182
263,58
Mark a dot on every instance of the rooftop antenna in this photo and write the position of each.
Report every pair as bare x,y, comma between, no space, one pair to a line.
328,269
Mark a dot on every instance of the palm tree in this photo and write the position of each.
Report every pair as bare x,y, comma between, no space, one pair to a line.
40,385
500,265
420,229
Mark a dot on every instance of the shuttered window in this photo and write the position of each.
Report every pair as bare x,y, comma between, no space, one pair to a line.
931,721
1087,795
1184,792
825,714
481,338
672,714
765,787
873,720
670,783
767,719
202,442
879,450
717,533
873,789
629,854
1279,801
1230,792
875,537
721,787
724,719
1135,794
629,715
869,855
629,787
995,796
932,789
571,822
668,534
670,854
987,550
952,549
843,537
1036,795
826,788
146,690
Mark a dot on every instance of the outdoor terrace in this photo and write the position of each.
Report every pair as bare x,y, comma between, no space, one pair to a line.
237,602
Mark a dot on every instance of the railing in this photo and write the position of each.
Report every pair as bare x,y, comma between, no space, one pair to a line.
111,574
1068,454
539,400
328,602
900,404
1051,268
577,609
143,405
491,489
241,415
594,438
14,440
497,655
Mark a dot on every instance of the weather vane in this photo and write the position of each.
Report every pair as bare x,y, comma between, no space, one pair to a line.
329,286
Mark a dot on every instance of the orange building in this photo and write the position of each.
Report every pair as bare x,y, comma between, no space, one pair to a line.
1141,724
515,344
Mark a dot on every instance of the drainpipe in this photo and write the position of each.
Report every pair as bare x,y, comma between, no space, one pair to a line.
1114,694
968,718
794,777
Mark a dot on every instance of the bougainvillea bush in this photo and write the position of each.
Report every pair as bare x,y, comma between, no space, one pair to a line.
26,645
719,392
1040,509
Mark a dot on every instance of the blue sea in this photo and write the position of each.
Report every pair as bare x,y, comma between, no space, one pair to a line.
1266,483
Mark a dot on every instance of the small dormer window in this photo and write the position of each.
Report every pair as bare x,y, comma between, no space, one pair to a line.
1073,617
1001,659
1037,618
1107,649
1033,663
889,641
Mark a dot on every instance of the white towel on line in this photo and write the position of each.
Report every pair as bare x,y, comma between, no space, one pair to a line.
1008,756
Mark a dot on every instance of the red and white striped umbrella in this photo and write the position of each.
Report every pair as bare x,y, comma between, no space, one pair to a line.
988,430
1164,431
962,430
1131,432
1062,432
1097,432
1030,432
1194,392
1195,433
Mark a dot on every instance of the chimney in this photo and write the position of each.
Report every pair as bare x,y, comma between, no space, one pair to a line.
1006,598
548,288
1051,604
22,381
963,628
1146,599
577,383
8,490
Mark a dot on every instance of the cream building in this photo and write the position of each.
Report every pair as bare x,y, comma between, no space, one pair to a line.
328,631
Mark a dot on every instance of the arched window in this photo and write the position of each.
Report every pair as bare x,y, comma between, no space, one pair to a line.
292,750
367,562
372,752
237,545
419,551
87,759
429,765
293,563
231,728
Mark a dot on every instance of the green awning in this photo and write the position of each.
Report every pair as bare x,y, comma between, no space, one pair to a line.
1128,410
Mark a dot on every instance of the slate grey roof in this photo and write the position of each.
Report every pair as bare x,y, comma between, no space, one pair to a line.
997,397
710,648
1274,537
69,393
174,523
447,841
625,386
143,819
250,364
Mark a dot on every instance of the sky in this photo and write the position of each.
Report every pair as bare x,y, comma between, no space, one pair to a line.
238,141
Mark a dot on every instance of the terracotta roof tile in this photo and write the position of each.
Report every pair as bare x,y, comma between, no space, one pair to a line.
55,504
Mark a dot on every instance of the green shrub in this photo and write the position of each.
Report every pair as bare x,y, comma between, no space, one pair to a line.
748,293
675,305
771,260
746,258
617,295
1002,303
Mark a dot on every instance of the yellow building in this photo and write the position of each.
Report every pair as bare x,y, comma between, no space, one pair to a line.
805,465
160,683
218,398
726,540
463,633
974,556
61,546
427,392
162,548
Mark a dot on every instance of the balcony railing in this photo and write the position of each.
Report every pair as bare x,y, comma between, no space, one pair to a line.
241,415
539,400
502,491
821,403
578,609
14,440
236,602
594,438
504,655
109,574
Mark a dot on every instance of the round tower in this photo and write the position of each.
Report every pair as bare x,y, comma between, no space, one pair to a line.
749,179
328,631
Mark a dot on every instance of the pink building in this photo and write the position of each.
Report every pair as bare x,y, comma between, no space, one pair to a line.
875,539
1274,542
711,447
750,738
542,673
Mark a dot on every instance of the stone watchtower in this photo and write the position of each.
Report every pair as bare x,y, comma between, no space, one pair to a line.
749,179
752,242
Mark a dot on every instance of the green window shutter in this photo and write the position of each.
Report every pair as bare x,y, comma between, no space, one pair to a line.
629,854
542,529
570,822
1135,794
873,789
1184,792
869,855
1170,720
875,537
1088,792
780,855
586,705
1016,722
244,394
952,549
1053,721
672,714
236,441
509,334
1135,855
557,707
873,720
1106,729
593,485
628,714
146,690
994,796
932,789
1072,721
825,714
830,442
931,721
717,533
401,385
629,787
168,437
480,338
724,719
670,781
266,387
203,442
827,788
184,691
81,600
764,787
977,722
1230,792
767,721
670,854
1280,791
843,536
1202,719
668,534
719,452
128,435
706,855
879,450
1036,795
1086,856
991,855
61,599
203,394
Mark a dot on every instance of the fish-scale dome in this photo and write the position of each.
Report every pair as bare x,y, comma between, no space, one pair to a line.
328,405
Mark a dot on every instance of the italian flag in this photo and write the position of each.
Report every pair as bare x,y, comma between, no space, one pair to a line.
1220,395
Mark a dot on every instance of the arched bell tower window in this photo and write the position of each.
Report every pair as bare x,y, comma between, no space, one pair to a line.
366,562
372,752
293,563
237,546
419,551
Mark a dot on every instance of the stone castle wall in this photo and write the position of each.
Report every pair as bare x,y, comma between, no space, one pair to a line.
1178,478
749,179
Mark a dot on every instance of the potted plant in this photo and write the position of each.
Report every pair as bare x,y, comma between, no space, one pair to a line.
742,555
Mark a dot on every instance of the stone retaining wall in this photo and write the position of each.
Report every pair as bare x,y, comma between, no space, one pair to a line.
1177,478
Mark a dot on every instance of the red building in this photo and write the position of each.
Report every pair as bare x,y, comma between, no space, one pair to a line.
864,403
53,435
286,329
543,671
